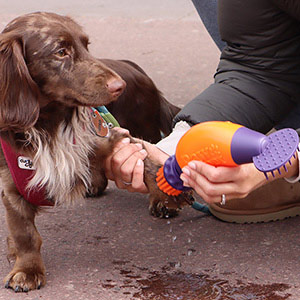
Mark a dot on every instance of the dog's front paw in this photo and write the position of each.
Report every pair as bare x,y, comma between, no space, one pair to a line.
159,210
24,281
25,277
164,206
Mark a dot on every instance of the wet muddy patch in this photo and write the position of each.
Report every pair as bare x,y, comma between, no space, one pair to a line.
182,286
171,284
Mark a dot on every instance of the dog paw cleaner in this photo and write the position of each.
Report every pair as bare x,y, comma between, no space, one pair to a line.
228,144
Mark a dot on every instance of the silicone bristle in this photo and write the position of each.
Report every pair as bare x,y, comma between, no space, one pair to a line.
276,155
278,170
164,185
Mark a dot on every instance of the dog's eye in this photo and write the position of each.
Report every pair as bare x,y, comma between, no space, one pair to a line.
62,52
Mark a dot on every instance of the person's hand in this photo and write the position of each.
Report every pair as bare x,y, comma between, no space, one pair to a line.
125,166
211,182
234,182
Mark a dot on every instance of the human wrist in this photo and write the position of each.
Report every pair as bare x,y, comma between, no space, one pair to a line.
155,154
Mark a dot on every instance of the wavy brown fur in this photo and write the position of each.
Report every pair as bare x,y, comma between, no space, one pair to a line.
48,79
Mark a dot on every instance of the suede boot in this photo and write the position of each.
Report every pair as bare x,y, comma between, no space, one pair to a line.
274,201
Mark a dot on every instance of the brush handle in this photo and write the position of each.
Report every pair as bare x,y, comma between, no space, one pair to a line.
219,144
246,144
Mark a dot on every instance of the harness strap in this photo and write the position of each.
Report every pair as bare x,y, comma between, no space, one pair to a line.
22,170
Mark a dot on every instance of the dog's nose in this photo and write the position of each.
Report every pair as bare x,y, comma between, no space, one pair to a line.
115,86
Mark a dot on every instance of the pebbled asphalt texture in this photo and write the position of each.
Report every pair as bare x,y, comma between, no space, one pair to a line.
110,247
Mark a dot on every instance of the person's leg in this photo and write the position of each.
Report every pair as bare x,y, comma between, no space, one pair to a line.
239,98
207,10
292,120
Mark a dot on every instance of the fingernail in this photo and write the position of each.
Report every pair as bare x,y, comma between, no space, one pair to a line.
139,162
126,141
185,181
143,151
192,165
186,171
139,145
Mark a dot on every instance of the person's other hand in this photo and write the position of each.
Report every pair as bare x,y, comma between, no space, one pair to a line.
211,182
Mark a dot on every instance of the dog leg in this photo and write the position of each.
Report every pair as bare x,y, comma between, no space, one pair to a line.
24,244
98,179
160,204
98,184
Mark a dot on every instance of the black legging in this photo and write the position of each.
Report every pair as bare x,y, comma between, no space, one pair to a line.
223,101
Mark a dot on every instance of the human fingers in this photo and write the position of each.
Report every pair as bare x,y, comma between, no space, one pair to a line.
217,174
108,162
137,183
211,182
208,191
213,193
125,172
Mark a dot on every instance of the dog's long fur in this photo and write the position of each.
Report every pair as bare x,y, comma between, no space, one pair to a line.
59,165
48,81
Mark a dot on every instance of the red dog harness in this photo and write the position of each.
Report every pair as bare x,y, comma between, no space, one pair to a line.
22,169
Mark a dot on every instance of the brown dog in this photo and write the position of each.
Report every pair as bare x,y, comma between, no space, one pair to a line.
48,82
141,108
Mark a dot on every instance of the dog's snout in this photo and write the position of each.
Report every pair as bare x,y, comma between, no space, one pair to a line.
116,86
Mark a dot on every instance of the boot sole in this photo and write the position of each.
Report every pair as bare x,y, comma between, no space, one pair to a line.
257,218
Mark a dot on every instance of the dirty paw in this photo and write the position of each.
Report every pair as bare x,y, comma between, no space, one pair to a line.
164,206
24,282
161,211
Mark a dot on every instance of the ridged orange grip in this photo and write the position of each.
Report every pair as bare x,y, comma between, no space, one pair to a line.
199,143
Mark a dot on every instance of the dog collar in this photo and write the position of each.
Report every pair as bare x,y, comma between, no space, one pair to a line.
22,168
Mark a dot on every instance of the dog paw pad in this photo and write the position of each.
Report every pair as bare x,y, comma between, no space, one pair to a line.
23,282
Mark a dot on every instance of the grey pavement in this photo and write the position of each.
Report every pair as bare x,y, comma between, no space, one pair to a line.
110,247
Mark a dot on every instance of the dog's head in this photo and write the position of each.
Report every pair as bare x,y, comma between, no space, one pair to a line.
44,57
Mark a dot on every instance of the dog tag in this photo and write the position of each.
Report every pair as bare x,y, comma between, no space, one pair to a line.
25,163
100,126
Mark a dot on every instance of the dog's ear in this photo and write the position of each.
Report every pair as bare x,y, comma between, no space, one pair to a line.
19,94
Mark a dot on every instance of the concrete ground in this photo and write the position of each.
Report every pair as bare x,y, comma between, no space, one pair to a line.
110,247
